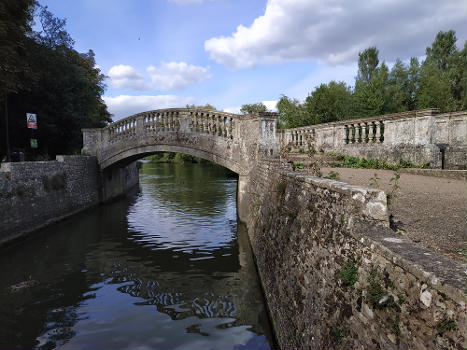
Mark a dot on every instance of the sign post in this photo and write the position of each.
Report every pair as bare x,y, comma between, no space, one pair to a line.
31,121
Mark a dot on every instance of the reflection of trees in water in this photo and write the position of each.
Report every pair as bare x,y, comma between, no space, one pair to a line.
189,186
183,303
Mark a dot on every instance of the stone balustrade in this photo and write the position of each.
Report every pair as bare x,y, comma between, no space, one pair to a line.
421,136
200,121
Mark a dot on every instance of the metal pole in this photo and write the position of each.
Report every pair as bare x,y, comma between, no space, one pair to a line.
7,136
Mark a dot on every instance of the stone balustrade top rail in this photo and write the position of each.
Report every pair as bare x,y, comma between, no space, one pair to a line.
383,117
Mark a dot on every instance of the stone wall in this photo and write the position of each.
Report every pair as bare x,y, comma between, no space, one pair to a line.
416,136
335,276
34,194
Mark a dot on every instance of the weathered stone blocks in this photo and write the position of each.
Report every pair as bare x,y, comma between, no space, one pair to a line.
335,275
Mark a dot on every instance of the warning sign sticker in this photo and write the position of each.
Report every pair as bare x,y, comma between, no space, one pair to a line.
31,120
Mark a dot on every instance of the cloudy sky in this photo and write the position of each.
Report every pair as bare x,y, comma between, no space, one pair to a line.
167,53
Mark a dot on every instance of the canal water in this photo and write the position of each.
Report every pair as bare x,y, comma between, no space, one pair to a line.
168,267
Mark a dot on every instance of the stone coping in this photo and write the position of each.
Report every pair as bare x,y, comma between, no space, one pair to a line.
451,174
385,117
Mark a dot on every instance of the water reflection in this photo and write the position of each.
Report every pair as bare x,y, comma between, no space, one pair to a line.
154,271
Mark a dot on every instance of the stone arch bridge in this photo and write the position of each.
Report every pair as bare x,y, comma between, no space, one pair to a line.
236,142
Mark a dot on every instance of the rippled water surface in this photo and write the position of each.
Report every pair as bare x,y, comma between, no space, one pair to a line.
166,268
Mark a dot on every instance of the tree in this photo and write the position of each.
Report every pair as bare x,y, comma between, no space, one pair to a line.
329,103
206,106
443,75
398,89
413,78
434,89
442,48
291,113
372,97
367,63
254,108
15,18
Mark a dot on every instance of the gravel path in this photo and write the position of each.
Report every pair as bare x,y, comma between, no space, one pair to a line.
431,211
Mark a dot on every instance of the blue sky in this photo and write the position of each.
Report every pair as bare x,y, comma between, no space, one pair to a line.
167,53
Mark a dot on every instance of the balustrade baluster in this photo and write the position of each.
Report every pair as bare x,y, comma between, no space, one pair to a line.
381,132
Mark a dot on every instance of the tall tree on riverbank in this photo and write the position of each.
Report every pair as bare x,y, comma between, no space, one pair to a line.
62,86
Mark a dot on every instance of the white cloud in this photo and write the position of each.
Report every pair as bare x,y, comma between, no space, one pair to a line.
177,75
167,76
335,31
126,77
124,105
271,105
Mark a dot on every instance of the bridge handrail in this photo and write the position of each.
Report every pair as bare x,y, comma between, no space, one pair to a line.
197,120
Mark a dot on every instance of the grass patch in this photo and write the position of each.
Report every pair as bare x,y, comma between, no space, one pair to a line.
298,165
345,161
348,274
375,293
446,324
333,175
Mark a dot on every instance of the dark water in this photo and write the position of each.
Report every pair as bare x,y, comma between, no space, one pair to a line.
162,269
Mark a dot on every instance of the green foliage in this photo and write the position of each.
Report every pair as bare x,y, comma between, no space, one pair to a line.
206,106
15,19
291,113
169,157
328,103
254,108
446,324
62,86
345,161
348,274
374,291
298,165
338,334
394,182
367,63
333,175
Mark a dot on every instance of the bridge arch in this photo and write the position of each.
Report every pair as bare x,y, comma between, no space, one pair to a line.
131,154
